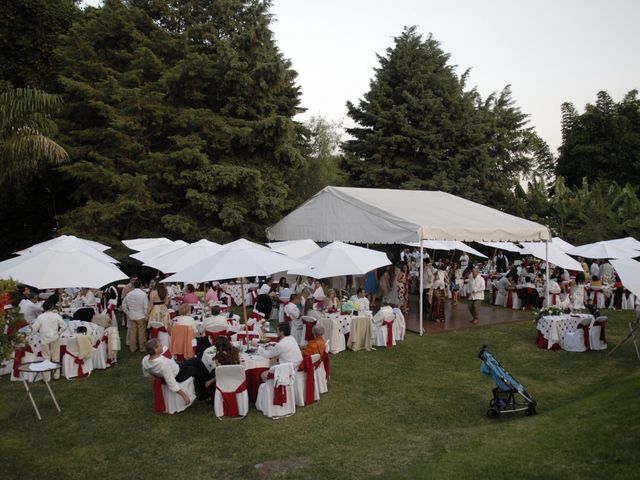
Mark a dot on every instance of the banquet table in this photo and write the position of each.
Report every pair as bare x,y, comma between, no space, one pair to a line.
342,326
235,292
553,328
254,365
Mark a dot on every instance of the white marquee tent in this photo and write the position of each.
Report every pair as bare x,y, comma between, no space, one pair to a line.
370,215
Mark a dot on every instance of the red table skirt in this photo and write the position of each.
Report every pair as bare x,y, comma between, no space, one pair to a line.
542,342
253,383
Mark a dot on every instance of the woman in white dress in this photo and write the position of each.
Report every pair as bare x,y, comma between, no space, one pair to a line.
577,293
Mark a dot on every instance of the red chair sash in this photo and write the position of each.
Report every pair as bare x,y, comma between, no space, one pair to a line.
310,380
279,393
595,297
585,330
308,329
389,325
230,400
510,299
156,330
554,298
158,398
17,359
76,359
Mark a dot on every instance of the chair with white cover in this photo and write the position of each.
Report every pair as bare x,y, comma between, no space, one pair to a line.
166,401
306,387
597,337
159,331
384,334
276,397
399,327
578,340
99,350
308,323
332,334
361,336
597,297
74,362
231,398
215,331
323,371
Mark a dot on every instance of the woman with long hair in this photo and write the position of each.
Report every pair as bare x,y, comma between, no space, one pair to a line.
440,282
402,287
158,301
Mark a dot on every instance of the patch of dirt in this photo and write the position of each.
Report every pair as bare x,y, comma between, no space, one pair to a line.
275,468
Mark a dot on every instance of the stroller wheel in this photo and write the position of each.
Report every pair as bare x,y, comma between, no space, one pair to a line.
530,412
493,413
492,403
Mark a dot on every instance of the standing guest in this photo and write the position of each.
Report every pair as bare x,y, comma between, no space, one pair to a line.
30,308
617,292
264,304
293,316
360,300
464,263
427,280
577,293
384,286
129,286
476,294
285,351
156,364
585,266
135,305
440,281
501,263
185,318
49,324
607,273
457,282
594,270
190,296
299,286
371,286
158,311
402,287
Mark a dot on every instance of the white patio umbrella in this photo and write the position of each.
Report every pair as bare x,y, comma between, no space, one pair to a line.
61,266
627,243
340,258
506,246
431,245
87,243
458,245
184,257
556,255
241,258
140,244
629,272
146,255
70,242
562,244
602,250
295,248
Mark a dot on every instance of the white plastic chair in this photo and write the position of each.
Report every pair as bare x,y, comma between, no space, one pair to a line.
306,319
229,379
266,393
399,326
575,341
301,382
72,364
595,330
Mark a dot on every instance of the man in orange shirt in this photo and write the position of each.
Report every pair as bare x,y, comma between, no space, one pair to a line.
316,345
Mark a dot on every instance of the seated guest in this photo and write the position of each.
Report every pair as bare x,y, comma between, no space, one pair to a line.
318,292
215,320
30,308
226,354
285,351
185,318
211,296
309,311
316,345
190,296
292,309
156,364
86,297
332,303
360,300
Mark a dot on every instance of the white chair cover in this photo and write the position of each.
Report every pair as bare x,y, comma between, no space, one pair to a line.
70,368
174,402
164,337
300,385
399,326
574,341
228,379
333,335
264,402
321,374
594,334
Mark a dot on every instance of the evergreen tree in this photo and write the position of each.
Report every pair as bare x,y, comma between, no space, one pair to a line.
179,120
419,128
603,143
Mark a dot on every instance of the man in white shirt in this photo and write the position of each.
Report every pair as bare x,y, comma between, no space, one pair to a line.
30,308
215,320
49,324
594,270
157,365
476,294
292,313
464,262
427,282
285,351
136,306
360,300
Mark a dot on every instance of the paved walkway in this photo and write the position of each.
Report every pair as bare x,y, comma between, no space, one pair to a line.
458,316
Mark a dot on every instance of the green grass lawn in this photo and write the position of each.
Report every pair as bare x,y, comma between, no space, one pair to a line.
415,411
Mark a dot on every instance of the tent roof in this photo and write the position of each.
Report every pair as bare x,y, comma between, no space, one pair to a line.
372,215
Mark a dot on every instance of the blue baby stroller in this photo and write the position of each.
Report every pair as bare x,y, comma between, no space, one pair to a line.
503,400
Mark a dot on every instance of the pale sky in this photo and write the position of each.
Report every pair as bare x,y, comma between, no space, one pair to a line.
549,51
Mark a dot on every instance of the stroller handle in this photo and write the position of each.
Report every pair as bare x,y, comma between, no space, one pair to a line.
482,350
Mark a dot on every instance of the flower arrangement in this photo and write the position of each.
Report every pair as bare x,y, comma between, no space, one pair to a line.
348,307
550,310
11,321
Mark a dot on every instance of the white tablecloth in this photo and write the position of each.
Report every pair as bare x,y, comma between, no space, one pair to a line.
235,292
555,327
248,360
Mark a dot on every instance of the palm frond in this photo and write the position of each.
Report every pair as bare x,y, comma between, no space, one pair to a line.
22,103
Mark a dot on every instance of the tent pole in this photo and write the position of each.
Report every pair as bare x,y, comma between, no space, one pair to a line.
546,259
420,289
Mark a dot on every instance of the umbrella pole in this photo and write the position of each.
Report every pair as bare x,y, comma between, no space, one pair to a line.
420,289
546,259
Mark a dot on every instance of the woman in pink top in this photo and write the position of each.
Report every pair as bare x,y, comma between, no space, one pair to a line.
190,296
